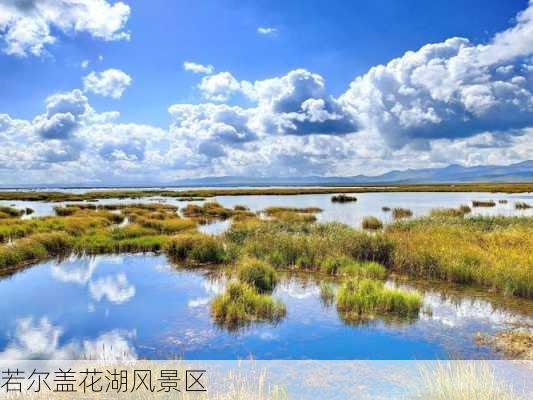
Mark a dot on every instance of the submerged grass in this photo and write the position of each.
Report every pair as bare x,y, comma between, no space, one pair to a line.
241,304
359,300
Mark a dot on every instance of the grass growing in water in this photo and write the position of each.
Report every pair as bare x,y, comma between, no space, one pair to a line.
385,209
359,300
343,198
399,213
10,212
241,304
372,223
488,251
521,205
273,211
344,266
196,248
450,212
257,273
483,203
327,294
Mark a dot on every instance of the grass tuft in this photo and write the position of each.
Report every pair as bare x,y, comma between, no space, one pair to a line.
372,223
257,273
343,198
521,205
367,299
241,304
399,213
483,203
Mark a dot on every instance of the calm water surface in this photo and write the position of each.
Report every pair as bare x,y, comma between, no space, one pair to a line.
348,213
125,307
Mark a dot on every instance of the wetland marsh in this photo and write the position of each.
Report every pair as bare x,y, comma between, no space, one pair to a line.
266,276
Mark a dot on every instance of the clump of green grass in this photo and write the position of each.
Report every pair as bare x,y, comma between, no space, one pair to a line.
212,210
10,212
196,248
29,210
257,273
343,198
290,217
450,212
385,209
502,201
483,203
35,248
521,205
465,209
273,211
167,226
241,304
239,207
399,213
365,299
372,223
327,294
353,268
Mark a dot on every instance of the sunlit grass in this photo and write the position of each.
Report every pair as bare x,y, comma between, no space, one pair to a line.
371,223
196,248
399,213
367,299
257,273
488,251
241,304
463,380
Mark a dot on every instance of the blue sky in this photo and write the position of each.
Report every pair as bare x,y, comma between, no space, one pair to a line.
293,89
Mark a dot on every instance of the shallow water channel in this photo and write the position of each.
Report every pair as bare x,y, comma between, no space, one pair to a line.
142,306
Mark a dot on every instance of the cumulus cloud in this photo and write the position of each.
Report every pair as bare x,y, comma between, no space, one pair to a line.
448,102
198,68
116,289
267,31
451,89
219,87
40,339
109,83
28,26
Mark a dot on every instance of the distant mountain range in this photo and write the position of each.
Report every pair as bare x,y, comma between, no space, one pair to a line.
520,172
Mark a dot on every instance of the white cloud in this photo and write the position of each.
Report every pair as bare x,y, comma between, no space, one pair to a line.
108,83
116,289
40,339
267,31
198,68
449,102
219,87
84,64
28,26
450,89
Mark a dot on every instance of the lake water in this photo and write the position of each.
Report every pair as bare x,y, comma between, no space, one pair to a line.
348,213
141,306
